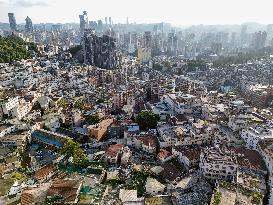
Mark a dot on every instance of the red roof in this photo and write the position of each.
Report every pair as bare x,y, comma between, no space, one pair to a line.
163,153
113,150
147,140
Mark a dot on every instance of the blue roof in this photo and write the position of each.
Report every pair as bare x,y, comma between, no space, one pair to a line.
48,141
133,128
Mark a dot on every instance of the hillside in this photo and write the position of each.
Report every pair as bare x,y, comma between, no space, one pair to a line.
14,48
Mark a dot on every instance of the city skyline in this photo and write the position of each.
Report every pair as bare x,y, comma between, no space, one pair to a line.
176,12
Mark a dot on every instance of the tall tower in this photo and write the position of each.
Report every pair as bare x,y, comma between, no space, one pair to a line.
83,21
106,20
28,26
243,34
12,22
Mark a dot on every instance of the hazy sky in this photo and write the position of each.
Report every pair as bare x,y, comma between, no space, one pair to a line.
177,12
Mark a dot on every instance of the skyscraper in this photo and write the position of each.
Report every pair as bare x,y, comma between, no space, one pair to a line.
99,50
259,39
106,20
100,26
83,21
28,26
243,34
12,22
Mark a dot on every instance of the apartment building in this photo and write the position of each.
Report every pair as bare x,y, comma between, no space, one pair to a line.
253,134
216,164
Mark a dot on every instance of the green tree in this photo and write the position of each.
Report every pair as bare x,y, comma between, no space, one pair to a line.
37,106
14,48
74,50
93,119
25,159
217,198
256,197
79,104
70,147
80,158
147,120
157,66
114,182
63,103
73,149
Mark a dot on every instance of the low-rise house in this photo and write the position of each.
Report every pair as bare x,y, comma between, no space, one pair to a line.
125,155
250,161
99,131
238,122
187,134
164,155
146,143
21,110
214,112
158,200
6,106
265,148
181,103
44,173
49,138
154,187
67,189
129,197
16,139
35,194
114,153
193,189
189,156
168,171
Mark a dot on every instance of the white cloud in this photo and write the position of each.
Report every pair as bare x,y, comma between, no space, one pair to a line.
178,12
30,3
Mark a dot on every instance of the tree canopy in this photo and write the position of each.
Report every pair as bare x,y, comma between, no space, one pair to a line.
73,149
79,104
63,103
93,119
147,120
74,50
14,48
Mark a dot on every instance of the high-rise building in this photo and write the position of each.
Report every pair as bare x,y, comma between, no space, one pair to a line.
83,21
269,31
243,34
147,39
172,44
105,19
28,26
233,39
110,21
100,26
259,39
12,22
93,25
99,51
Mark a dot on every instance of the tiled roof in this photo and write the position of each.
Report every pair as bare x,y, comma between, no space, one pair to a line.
113,150
68,189
44,171
163,153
